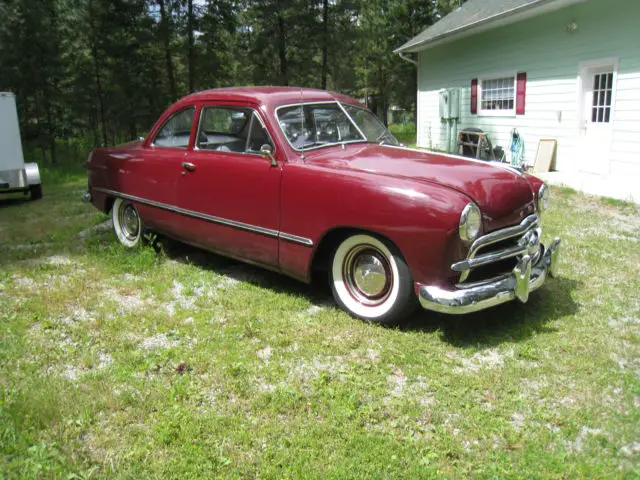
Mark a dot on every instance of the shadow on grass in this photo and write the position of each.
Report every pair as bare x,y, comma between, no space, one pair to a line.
317,292
510,322
13,200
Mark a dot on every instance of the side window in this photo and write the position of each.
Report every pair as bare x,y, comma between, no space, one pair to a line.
224,129
258,136
231,129
176,131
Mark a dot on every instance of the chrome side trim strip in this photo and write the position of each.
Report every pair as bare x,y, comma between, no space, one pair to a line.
296,239
210,218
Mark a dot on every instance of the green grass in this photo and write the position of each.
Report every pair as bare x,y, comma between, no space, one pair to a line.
120,364
405,133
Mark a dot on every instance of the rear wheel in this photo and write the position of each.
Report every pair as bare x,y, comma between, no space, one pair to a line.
36,191
370,279
126,223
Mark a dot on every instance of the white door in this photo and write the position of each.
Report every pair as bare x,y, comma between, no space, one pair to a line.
595,132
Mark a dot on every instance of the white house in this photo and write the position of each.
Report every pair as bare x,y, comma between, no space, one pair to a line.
563,69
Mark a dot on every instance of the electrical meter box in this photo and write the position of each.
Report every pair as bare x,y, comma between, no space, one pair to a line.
450,103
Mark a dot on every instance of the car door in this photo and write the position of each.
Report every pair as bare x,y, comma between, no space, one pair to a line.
154,175
228,191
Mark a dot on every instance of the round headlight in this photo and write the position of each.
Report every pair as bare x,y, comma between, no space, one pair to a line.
544,195
470,222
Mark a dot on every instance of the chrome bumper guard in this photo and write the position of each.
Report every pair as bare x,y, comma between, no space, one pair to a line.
524,278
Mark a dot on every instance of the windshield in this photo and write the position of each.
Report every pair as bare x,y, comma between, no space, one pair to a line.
321,124
370,125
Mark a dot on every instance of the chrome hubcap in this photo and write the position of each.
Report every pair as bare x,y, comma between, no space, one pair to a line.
367,275
129,222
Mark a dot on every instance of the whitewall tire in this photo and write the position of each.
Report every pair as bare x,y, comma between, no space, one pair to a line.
126,223
370,279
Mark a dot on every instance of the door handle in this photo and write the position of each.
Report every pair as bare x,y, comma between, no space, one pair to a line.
188,166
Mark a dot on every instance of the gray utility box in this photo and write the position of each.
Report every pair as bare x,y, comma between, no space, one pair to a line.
15,175
449,103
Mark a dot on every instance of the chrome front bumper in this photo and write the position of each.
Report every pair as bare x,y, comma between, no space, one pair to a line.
523,279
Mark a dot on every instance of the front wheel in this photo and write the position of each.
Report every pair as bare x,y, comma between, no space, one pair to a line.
371,280
126,223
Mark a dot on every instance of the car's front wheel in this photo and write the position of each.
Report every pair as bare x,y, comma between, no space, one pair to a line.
370,279
126,223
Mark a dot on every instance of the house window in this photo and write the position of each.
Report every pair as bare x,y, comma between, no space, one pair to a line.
498,95
601,104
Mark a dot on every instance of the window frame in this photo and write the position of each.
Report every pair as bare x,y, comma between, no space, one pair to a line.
497,113
254,114
153,143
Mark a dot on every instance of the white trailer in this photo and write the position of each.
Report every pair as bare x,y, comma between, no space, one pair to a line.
15,175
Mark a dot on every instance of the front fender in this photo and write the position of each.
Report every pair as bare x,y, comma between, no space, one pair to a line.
420,218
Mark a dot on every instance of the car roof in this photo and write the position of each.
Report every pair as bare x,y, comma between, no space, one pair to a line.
271,97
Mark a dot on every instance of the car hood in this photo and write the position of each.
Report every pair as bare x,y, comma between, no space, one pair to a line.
498,190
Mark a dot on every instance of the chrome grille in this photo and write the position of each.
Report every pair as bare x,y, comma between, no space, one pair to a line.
495,253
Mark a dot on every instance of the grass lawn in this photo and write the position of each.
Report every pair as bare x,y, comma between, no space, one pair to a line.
120,364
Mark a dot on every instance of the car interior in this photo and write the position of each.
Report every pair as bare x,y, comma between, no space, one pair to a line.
221,129
231,130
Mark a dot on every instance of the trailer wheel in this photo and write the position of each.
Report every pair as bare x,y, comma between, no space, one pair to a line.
36,191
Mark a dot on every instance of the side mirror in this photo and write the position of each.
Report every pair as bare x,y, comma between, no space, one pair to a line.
267,152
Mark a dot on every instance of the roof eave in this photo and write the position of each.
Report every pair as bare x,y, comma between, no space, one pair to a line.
505,18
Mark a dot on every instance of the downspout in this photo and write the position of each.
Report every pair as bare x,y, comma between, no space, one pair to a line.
408,59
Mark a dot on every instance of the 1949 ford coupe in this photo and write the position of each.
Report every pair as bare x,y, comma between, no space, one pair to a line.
299,180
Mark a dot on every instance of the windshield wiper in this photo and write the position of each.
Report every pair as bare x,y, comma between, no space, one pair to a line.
381,138
313,144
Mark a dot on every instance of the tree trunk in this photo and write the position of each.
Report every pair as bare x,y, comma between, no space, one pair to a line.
53,149
190,49
96,63
282,48
384,106
325,41
166,38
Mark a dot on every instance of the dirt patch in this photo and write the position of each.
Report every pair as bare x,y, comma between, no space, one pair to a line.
304,371
401,387
313,310
126,303
489,359
78,314
159,341
397,383
59,260
517,421
264,354
101,227
24,282
579,444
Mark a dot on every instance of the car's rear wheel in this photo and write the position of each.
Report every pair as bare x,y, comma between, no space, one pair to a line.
126,223
370,279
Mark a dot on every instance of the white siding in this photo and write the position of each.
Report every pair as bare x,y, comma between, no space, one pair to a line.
551,57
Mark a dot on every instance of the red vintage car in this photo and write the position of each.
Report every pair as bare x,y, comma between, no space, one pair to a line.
300,180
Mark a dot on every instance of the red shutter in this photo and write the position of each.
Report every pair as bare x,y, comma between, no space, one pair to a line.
521,92
474,95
